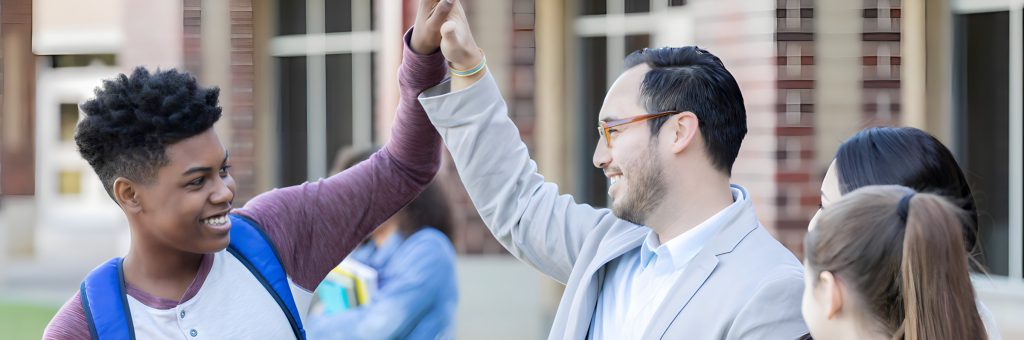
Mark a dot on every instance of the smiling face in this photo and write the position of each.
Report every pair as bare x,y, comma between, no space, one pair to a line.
185,207
633,164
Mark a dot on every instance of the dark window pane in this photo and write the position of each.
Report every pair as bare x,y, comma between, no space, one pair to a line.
339,104
983,64
593,7
83,60
638,6
338,16
676,2
292,120
592,83
637,42
68,122
291,17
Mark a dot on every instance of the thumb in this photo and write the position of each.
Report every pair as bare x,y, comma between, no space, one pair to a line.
448,30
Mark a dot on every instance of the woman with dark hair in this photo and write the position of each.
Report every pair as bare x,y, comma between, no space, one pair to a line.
912,158
415,262
885,262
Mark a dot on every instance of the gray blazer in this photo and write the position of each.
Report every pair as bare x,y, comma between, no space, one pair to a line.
743,284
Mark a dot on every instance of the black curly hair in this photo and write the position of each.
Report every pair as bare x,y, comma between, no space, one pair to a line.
132,120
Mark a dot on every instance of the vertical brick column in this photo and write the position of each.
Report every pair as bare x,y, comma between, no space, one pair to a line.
17,99
881,62
192,35
243,113
797,195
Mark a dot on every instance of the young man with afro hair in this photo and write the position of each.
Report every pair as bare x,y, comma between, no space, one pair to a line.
150,138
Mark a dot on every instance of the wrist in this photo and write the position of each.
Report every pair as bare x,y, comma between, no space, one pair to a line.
469,60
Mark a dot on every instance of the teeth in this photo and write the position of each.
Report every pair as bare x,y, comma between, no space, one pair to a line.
216,221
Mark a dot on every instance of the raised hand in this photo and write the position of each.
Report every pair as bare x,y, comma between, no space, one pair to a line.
457,43
426,34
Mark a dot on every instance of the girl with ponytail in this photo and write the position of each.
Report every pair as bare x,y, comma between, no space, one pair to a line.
885,262
912,158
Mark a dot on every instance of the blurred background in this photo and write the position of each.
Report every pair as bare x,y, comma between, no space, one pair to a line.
302,79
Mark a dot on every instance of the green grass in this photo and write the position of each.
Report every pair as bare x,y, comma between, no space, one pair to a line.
21,321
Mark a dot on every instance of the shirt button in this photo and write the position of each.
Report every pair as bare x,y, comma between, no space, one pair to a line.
182,314
193,333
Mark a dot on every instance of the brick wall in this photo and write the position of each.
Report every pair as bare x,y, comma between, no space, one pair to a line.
881,62
17,68
797,192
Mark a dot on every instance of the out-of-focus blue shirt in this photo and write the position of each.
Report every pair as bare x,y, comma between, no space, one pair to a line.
416,297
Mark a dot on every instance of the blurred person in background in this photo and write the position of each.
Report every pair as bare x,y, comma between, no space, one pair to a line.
886,262
912,158
417,290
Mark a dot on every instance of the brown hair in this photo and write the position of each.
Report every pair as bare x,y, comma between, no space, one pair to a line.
429,208
909,270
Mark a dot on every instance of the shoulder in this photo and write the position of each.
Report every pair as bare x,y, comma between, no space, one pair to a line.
69,322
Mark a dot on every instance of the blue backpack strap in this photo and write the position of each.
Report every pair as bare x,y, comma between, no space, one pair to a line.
253,248
105,303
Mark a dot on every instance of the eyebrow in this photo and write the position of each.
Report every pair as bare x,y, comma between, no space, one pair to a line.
205,168
608,119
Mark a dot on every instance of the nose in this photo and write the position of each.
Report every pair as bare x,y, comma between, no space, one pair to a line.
602,155
225,192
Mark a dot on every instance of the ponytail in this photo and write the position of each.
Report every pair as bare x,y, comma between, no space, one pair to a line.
903,254
937,293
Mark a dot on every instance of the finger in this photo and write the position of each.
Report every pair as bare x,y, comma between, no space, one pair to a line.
441,11
427,5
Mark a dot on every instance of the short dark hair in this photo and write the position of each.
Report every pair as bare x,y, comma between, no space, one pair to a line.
132,120
912,158
692,79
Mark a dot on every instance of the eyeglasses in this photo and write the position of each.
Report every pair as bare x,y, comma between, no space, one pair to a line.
605,128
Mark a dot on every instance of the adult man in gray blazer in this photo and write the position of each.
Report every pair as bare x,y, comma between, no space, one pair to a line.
681,254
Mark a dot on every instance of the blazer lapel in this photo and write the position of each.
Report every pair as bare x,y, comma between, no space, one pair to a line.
584,301
699,269
693,277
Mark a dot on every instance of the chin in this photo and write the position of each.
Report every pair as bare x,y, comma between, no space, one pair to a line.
216,245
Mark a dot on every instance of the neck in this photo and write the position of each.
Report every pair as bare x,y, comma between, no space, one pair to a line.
158,270
384,231
857,331
690,205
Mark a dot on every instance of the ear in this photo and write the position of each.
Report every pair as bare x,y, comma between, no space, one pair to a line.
833,294
126,194
685,127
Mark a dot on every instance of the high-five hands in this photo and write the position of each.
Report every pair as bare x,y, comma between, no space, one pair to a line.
457,43
426,35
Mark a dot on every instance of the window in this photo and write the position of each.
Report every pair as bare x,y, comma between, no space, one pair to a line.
68,121
984,119
326,90
83,60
